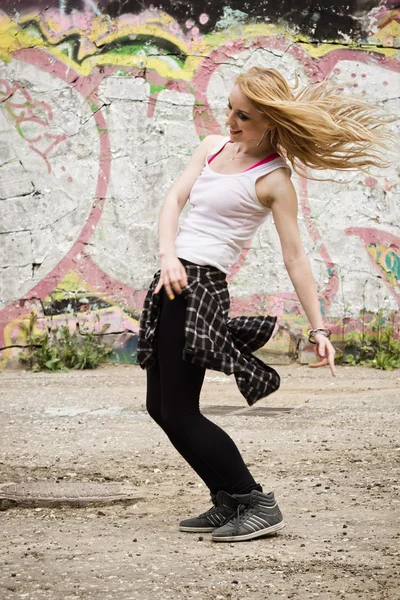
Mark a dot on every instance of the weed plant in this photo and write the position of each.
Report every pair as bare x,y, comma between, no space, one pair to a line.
62,350
377,346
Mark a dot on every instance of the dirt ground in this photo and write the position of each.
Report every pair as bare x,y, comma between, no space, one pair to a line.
332,460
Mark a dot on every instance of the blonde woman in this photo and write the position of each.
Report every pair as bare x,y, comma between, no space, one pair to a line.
234,183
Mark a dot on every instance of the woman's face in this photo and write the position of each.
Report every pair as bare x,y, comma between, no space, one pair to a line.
245,123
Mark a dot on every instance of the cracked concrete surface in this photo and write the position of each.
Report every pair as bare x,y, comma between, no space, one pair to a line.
146,153
333,462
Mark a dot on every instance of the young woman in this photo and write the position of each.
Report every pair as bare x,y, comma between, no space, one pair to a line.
234,183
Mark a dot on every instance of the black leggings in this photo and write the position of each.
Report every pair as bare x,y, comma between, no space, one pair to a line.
173,394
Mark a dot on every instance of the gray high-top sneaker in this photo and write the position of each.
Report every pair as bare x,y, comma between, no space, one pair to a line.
257,514
225,506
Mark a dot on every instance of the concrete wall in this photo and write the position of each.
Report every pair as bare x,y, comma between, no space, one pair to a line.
100,107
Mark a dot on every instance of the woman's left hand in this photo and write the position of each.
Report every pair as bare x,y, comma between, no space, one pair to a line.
325,353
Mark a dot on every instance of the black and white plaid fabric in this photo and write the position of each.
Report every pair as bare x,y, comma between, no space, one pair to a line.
213,340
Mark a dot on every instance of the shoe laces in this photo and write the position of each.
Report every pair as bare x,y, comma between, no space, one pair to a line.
238,517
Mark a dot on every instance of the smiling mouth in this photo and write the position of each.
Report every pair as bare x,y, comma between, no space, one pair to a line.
235,130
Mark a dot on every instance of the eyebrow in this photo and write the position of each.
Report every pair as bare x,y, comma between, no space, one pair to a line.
239,109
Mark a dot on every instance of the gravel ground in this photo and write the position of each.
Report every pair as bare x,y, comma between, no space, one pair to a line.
332,460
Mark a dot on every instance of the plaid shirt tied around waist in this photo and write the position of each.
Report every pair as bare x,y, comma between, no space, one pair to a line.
213,340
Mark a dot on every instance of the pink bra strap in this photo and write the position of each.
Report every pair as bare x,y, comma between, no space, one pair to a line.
263,161
220,150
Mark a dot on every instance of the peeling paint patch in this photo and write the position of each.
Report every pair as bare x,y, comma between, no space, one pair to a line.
231,18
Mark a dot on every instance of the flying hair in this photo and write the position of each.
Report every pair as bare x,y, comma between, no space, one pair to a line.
319,127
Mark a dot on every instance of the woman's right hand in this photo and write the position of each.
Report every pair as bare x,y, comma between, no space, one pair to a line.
173,276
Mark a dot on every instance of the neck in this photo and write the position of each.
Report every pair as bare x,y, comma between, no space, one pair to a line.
251,148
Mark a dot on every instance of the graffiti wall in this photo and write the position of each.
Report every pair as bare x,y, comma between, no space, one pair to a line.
101,104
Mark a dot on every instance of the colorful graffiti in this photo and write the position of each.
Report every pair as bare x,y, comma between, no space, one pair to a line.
384,251
322,20
80,306
26,113
100,104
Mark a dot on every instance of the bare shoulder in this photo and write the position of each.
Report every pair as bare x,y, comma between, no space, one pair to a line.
201,151
195,166
275,186
210,141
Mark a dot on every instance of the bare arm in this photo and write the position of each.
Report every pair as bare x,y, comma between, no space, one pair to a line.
277,192
173,275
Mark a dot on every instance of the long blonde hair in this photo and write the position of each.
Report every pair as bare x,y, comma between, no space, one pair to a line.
318,127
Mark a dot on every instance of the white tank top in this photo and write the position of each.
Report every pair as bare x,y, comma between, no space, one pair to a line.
225,213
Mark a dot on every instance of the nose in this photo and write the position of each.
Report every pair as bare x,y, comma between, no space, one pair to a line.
229,116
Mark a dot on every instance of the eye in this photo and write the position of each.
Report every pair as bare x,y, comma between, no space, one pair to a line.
240,115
